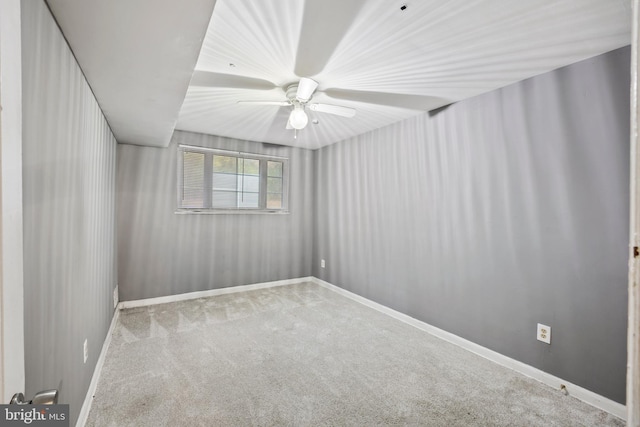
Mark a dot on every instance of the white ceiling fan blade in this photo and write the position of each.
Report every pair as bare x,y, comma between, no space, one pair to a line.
324,24
333,109
278,103
306,87
400,100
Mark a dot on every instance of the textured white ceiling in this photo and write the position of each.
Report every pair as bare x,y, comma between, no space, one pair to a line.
387,63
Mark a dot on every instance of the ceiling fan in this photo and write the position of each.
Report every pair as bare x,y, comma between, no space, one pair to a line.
298,95
322,30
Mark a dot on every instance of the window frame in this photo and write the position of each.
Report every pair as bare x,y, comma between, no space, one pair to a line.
208,181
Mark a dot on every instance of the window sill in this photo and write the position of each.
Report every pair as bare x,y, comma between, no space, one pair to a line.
229,211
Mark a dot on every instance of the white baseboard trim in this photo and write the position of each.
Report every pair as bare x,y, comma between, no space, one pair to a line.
210,293
88,400
576,391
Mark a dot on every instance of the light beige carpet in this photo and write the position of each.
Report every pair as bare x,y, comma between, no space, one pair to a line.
302,355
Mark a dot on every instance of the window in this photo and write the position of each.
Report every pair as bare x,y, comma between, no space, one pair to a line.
214,181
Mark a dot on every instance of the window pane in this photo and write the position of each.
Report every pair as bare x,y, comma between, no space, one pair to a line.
248,200
274,169
274,185
249,183
230,181
192,180
223,199
225,164
225,181
251,167
274,201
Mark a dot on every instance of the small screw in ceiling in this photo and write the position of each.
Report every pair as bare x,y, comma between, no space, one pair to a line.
315,121
232,65
403,7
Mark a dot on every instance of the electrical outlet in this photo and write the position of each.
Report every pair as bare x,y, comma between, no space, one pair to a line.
322,263
85,350
544,333
115,297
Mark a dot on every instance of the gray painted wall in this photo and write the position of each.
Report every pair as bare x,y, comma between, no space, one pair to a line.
163,253
494,214
69,214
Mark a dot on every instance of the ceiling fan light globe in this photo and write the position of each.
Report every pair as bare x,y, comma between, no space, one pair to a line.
298,118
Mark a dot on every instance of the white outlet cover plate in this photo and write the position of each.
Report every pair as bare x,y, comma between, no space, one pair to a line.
544,333
322,264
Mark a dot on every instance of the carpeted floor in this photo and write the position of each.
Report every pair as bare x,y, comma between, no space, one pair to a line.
303,355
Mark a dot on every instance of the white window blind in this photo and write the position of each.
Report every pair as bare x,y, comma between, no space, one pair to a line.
193,180
219,180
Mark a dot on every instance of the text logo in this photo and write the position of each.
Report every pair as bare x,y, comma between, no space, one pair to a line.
34,415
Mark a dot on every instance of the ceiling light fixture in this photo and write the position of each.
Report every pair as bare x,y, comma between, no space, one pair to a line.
298,118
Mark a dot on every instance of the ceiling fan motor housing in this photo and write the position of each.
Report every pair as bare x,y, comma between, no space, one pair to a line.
292,92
